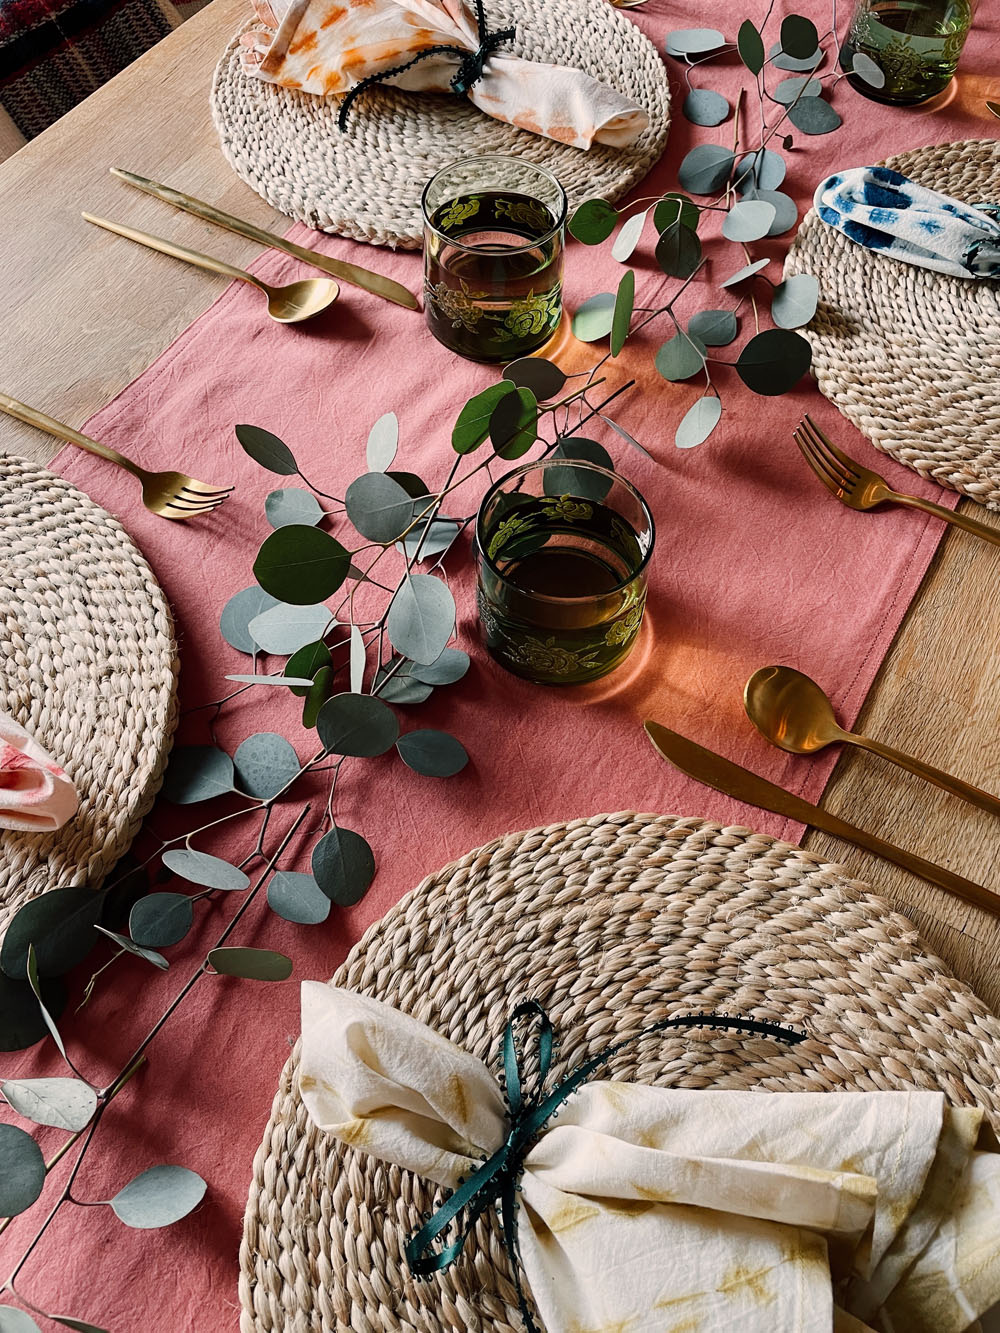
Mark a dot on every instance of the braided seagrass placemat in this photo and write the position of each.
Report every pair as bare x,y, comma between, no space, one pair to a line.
366,183
611,922
88,665
912,357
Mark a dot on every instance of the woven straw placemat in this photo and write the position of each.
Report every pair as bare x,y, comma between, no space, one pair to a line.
88,665
611,922
366,183
912,357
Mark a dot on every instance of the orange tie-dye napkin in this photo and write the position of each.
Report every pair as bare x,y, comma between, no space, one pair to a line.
331,46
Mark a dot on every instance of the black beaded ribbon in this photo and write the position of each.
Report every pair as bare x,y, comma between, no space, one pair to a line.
495,1183
470,68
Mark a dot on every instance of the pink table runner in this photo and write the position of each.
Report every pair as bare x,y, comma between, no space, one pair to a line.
754,564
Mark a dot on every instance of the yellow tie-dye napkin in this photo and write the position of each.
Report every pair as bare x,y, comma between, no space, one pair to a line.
331,46
649,1208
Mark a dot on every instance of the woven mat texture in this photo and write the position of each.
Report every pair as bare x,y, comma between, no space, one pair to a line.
911,357
88,665
611,922
366,183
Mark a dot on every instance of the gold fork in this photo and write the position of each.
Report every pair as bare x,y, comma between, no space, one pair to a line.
169,494
860,488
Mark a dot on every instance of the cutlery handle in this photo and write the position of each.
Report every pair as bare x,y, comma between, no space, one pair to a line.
949,516
32,417
194,257
965,790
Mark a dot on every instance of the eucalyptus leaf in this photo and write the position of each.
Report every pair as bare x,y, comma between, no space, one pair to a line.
21,1021
302,682
594,318
747,272
473,424
35,984
130,946
267,450
761,170
629,439
781,60
22,1170
704,106
59,924
358,660
379,507
383,441
793,302
317,695
675,207
449,667
360,725
802,85
343,865
713,328
577,481
624,305
629,236
296,897
542,377
209,871
748,220
401,688
251,964
242,607
413,485
421,618
514,424
799,38
441,532
197,773
160,919
78,1325
698,422
678,250
435,754
158,1197
693,41
306,663
680,357
786,211
774,361
13,1320
865,68
286,629
301,565
594,221
66,1103
292,505
812,115
705,169
750,47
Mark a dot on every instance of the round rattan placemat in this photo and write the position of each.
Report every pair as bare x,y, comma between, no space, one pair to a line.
366,183
611,922
912,357
88,665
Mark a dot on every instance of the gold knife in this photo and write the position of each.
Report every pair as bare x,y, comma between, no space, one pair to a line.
349,273
994,107
725,776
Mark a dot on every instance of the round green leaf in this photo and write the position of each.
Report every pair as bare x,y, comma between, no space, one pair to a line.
542,377
267,450
698,422
680,357
297,898
678,250
746,272
514,424
158,1197
441,532
286,629
774,361
594,318
411,484
750,47
317,695
624,305
251,964
435,754
59,924
197,773
782,60
378,507
13,1320
209,871
473,424
343,865
421,618
357,724
66,1103
812,115
674,207
628,238
21,1021
383,440
748,220
786,211
306,663
762,170
22,1171
799,38
693,41
292,505
593,222
704,106
578,481
706,168
160,919
402,689
449,667
265,763
802,85
714,328
301,565
242,607
793,302
130,946
865,68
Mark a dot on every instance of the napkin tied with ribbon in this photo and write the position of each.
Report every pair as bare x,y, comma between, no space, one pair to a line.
887,212
438,46
36,796
648,1208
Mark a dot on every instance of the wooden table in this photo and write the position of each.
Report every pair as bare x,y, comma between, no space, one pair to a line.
79,325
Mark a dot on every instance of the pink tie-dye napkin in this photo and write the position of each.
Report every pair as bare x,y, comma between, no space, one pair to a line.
36,796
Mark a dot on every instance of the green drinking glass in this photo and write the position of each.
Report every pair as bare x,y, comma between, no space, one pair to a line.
914,43
563,550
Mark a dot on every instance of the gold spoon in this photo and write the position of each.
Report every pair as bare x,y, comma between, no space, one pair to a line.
791,711
288,305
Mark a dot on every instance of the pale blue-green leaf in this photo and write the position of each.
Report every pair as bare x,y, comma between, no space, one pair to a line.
360,725
211,872
542,377
698,422
286,629
449,667
786,211
66,1103
13,1320
435,754
750,47
793,302
706,168
799,38
865,68
746,272
290,681
383,440
748,220
761,170
158,1197
713,328
441,532
265,764
296,897
812,115
292,505
401,688
802,85
160,919
693,41
130,946
358,660
251,964
781,60
421,618
343,865
197,773
50,1023
704,106
22,1171
629,439
594,318
242,607
680,357
628,237
379,507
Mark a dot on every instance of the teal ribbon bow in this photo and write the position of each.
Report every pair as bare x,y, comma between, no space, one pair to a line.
495,1183
470,69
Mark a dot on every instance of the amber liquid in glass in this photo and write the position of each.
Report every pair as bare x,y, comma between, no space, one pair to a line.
916,43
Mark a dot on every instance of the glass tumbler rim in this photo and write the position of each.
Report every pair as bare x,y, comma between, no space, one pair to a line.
494,157
539,464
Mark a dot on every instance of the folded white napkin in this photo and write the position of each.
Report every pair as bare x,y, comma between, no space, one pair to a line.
649,1208
332,46
36,796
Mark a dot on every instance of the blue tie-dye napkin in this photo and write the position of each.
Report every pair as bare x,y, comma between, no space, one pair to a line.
890,214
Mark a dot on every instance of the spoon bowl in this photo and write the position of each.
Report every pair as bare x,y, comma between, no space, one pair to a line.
790,710
300,300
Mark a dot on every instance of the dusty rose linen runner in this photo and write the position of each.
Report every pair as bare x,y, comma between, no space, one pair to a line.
753,565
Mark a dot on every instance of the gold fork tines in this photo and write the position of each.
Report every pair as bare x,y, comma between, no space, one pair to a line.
860,488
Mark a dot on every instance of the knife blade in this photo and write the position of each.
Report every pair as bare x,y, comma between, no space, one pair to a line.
994,107
725,776
352,274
